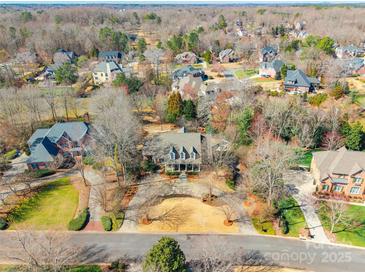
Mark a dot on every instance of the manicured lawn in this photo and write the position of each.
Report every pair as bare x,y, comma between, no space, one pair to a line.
305,158
264,80
294,215
354,235
241,74
51,208
265,228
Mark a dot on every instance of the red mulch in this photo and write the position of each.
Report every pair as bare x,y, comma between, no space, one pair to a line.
94,226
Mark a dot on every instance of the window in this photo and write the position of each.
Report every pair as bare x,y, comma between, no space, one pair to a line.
337,188
357,180
172,155
325,187
355,190
106,74
193,155
182,155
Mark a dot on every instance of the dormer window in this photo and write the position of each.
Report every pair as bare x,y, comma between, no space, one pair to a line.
193,155
172,155
182,155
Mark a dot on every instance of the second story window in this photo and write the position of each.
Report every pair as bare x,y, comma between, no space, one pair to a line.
357,180
172,155
182,155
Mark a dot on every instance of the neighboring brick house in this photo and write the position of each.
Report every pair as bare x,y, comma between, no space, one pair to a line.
339,173
297,82
268,54
271,69
181,151
50,147
108,56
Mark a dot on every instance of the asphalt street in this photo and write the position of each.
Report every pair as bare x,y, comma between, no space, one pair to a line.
106,247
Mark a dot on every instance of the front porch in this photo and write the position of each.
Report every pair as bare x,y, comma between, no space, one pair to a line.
182,167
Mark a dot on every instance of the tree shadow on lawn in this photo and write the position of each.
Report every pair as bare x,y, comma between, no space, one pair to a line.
32,204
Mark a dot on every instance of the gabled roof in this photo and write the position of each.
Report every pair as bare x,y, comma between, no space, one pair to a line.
111,53
182,72
299,78
276,65
107,67
75,130
42,143
342,161
269,49
45,151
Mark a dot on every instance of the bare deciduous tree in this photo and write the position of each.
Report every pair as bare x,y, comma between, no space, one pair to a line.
45,251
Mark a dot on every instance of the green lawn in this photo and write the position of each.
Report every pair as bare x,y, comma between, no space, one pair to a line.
241,74
265,228
294,215
51,208
360,99
354,235
305,158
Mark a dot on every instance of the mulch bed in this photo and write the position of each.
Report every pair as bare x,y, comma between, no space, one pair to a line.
94,226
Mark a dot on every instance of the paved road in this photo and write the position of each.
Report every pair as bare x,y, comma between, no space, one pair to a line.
105,247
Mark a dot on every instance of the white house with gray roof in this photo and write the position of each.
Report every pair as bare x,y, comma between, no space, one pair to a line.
182,151
106,72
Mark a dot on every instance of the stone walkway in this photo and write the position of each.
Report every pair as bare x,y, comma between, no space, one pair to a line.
302,193
18,166
154,186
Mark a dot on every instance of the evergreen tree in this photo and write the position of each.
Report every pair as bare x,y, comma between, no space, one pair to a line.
222,24
66,74
174,107
165,256
355,137
244,124
189,110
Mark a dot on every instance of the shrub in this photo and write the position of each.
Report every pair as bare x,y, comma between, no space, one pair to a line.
88,160
118,266
165,256
117,220
107,223
172,173
10,155
80,221
42,173
317,99
3,224
231,184
149,166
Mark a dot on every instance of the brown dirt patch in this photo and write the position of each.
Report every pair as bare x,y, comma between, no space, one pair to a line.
190,215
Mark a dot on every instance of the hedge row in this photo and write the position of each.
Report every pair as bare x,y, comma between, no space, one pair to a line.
80,221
